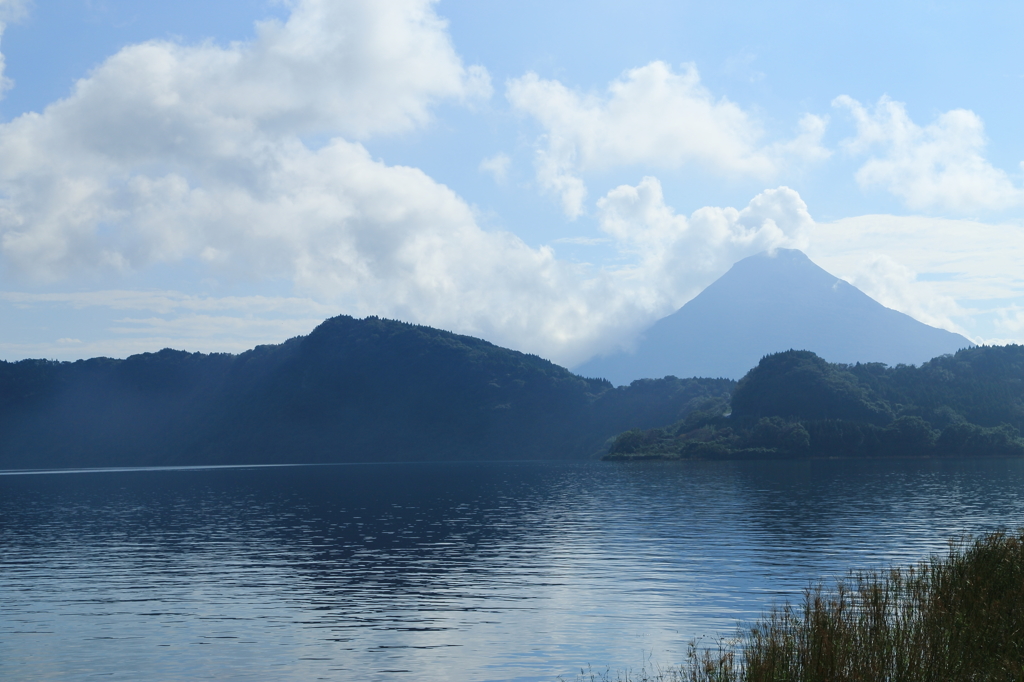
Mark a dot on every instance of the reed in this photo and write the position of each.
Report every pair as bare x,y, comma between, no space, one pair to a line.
958,617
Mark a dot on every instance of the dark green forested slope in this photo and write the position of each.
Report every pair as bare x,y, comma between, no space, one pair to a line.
796,404
352,390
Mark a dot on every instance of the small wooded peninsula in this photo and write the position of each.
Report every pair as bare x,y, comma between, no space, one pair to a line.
795,404
352,390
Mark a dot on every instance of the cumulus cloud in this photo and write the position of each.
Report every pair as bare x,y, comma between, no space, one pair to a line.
354,68
167,151
651,115
938,166
569,312
677,256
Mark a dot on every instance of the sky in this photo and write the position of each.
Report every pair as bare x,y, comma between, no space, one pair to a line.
552,177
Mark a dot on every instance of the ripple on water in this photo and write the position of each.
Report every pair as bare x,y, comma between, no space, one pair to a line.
445,571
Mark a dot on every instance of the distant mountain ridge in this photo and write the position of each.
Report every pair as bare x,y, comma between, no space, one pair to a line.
350,391
770,303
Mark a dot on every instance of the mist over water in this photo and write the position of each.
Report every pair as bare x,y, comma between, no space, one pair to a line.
457,571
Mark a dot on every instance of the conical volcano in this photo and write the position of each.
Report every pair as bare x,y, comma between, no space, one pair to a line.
769,303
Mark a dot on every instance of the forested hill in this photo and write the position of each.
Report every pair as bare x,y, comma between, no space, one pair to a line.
795,404
352,390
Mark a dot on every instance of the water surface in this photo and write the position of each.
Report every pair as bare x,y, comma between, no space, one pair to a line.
460,571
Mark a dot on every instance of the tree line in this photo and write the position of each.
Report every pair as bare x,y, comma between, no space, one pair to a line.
795,404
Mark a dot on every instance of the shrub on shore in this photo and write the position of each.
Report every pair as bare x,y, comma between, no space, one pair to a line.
950,618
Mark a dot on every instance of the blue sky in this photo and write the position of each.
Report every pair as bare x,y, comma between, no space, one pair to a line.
550,176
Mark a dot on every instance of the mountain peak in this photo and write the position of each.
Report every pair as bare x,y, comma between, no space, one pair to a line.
767,303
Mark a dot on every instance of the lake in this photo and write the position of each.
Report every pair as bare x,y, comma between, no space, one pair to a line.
450,571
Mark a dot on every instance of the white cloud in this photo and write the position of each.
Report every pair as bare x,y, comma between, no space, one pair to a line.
675,257
497,166
352,67
652,115
427,261
167,152
939,166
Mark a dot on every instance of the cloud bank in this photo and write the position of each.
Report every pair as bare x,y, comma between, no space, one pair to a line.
197,154
652,116
938,166
676,256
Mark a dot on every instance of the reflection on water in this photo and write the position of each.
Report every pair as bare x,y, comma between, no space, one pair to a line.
497,571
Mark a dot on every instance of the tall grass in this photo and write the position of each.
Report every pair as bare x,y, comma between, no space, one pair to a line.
958,617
